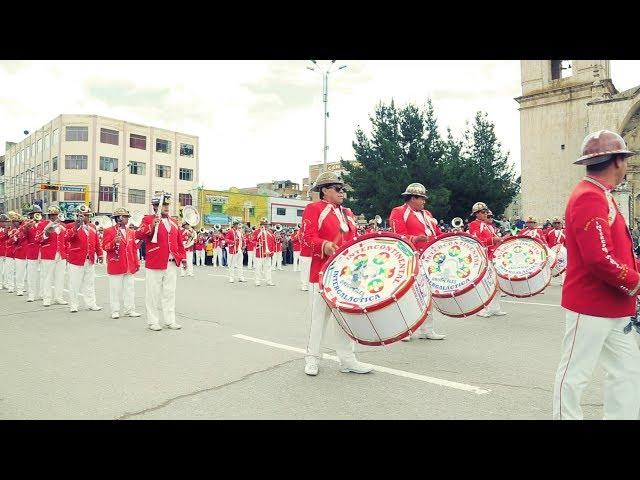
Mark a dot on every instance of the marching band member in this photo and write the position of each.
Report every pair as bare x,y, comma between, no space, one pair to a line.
4,223
485,234
33,251
188,239
265,246
277,256
295,245
122,263
83,250
532,230
163,260
217,259
416,223
53,256
601,288
11,240
251,249
200,251
235,239
557,236
327,225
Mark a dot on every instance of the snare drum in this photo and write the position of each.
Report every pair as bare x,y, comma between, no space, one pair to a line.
559,264
523,266
461,278
370,285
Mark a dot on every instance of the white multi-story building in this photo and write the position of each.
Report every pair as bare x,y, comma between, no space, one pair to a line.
285,211
105,162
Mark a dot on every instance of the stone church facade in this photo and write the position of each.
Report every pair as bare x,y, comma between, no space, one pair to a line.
561,102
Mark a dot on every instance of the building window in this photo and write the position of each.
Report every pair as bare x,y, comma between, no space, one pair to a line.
74,196
186,150
109,164
186,174
39,145
109,136
163,171
184,199
300,212
107,194
163,146
45,168
252,211
137,168
54,164
136,196
281,211
75,162
216,208
137,141
56,137
77,134
46,141
54,196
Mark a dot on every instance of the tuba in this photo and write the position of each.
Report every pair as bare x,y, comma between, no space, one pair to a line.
103,221
378,219
278,228
136,219
190,215
457,224
217,227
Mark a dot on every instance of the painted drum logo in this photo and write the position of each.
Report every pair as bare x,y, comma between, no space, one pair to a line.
452,263
519,257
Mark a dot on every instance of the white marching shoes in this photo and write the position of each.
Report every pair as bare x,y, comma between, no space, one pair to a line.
355,367
431,336
115,315
311,369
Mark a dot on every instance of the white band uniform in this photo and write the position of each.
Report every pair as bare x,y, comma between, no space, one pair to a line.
370,285
523,266
461,278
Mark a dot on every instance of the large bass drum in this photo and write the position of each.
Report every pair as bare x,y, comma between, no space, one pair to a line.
559,264
523,265
372,286
461,278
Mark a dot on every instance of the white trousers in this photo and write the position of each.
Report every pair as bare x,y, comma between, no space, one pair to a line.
189,269
263,270
217,257
305,271
122,287
82,280
296,261
199,258
494,306
34,284
429,323
9,273
586,340
2,272
160,294
251,256
235,262
277,261
321,317
21,274
53,278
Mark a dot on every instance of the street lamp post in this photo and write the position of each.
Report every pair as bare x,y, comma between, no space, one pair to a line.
325,99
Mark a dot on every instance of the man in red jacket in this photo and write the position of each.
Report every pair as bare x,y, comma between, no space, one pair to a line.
556,235
200,242
415,223
486,234
251,248
295,246
119,243
532,230
277,256
601,287
12,237
83,250
51,235
235,241
189,236
33,251
327,225
163,260
265,246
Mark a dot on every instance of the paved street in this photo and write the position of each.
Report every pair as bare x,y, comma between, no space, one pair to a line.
238,357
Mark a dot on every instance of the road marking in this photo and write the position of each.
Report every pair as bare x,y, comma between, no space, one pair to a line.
532,303
391,371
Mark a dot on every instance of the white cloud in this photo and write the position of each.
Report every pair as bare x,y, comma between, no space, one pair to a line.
263,120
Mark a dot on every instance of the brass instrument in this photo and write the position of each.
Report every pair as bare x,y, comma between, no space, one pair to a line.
37,216
378,219
457,224
217,227
278,228
154,239
136,219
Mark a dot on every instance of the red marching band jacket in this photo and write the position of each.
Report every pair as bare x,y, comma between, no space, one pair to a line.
20,247
234,241
169,243
484,233
295,241
250,242
278,243
555,237
82,245
602,276
265,242
54,243
185,235
122,258
32,244
11,241
533,233
3,240
321,224
409,223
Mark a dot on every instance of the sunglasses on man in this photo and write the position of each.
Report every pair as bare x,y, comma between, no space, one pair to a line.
337,188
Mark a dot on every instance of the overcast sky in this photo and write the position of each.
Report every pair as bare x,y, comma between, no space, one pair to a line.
263,120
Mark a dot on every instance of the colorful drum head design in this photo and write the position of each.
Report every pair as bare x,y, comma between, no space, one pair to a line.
560,259
453,263
519,258
368,272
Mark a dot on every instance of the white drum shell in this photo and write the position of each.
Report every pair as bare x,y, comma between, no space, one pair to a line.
560,264
471,301
527,287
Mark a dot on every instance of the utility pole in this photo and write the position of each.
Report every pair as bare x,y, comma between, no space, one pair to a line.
99,186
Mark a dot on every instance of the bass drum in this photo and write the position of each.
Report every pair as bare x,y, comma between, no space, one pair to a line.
372,287
523,265
461,278
559,264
